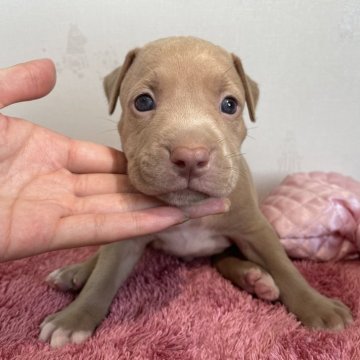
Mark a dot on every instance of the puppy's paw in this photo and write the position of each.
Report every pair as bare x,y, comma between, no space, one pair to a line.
68,326
72,277
261,284
320,312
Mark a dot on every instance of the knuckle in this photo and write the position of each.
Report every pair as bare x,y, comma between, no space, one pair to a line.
136,223
99,222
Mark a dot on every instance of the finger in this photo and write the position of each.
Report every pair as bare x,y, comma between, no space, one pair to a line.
86,157
81,230
27,81
207,207
93,184
113,203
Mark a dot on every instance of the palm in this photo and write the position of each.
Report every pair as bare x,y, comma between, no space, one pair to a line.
38,188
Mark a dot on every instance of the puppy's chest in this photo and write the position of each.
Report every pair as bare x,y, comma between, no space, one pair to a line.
191,239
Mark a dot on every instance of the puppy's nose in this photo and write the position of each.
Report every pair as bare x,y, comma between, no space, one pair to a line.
190,162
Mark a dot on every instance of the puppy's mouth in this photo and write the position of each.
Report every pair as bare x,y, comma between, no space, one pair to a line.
179,192
184,197
154,176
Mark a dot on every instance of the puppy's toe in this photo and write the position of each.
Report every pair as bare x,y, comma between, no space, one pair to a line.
71,277
46,330
80,336
261,284
60,337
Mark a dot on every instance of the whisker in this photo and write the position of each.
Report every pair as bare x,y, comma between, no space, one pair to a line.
241,173
221,140
234,155
112,121
232,169
108,130
227,69
107,119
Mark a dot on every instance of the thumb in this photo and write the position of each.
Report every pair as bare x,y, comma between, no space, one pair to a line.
26,81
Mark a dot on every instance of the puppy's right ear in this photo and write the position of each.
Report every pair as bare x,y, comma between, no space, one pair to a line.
112,82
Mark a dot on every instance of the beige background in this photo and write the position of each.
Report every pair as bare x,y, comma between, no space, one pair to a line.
304,54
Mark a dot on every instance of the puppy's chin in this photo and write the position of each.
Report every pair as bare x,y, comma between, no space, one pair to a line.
182,198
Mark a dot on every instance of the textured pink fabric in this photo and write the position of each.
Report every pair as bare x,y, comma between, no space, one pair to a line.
316,215
170,310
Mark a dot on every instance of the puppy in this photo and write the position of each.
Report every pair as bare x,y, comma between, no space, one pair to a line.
181,129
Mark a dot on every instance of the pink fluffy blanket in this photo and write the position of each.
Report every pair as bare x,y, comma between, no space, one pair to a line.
173,310
316,215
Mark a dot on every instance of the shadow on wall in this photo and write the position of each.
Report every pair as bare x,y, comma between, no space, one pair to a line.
265,183
80,61
289,162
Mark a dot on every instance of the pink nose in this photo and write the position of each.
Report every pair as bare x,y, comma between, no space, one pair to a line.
190,161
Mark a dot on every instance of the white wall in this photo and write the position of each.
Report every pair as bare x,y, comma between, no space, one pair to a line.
305,54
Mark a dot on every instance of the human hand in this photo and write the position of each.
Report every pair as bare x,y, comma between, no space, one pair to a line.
56,192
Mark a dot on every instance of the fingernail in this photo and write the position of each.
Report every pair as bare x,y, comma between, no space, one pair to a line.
207,207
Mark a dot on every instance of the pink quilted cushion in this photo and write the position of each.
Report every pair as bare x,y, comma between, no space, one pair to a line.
316,215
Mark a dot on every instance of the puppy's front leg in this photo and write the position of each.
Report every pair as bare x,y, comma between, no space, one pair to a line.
77,322
261,245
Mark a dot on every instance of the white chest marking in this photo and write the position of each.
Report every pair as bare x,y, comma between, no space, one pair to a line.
191,239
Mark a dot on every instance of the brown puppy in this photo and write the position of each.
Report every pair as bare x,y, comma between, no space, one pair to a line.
181,129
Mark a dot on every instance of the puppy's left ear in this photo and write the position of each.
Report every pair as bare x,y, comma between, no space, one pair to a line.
250,86
112,82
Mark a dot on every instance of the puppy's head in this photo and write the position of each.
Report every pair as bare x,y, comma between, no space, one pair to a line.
181,126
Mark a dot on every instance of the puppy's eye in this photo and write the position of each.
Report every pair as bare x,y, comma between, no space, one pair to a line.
144,102
229,105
